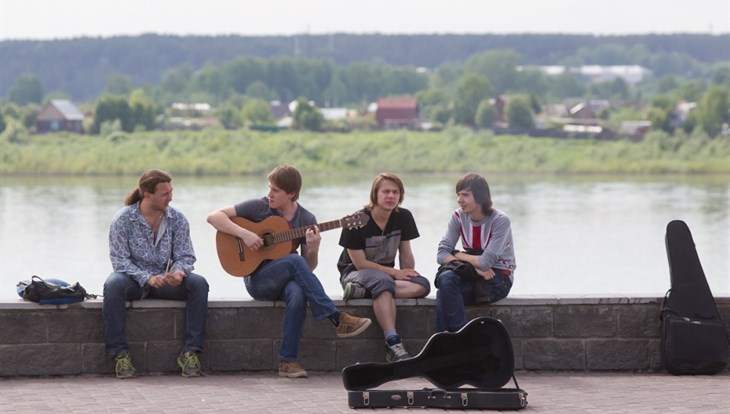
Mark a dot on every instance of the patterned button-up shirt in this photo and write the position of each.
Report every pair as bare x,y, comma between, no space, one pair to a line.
134,250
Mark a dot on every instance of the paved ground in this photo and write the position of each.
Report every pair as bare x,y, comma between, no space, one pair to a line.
323,393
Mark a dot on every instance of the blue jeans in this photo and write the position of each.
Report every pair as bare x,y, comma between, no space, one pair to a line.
454,293
120,288
290,279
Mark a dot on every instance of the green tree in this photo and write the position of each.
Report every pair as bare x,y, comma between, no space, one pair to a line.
470,92
27,89
566,85
229,116
519,112
499,67
722,75
110,108
175,84
29,114
712,110
692,91
142,111
532,81
118,84
336,92
661,113
11,110
259,90
2,123
212,81
486,114
307,116
666,84
257,111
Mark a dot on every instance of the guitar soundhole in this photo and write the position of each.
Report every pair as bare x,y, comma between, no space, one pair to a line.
268,239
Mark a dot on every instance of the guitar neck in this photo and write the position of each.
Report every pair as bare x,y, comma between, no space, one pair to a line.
299,232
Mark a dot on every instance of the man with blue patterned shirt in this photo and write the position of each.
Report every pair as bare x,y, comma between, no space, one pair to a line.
152,256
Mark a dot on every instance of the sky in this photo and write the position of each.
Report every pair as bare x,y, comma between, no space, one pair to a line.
63,19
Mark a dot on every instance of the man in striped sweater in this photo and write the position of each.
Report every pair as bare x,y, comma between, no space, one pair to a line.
484,271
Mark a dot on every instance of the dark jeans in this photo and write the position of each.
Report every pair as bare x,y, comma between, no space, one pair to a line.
454,293
290,279
120,288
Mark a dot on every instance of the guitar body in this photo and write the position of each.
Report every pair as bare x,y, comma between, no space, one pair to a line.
479,354
237,259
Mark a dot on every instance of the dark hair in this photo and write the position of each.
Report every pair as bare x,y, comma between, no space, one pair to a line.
376,186
147,184
479,189
288,179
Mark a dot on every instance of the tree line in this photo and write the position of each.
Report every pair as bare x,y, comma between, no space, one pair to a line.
459,92
80,67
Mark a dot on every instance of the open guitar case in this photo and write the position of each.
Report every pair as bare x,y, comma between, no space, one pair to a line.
694,339
469,369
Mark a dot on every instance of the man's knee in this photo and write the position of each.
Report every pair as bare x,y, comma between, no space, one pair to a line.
294,296
383,285
196,282
116,283
448,280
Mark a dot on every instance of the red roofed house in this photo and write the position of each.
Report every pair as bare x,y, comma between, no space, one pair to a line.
397,112
59,115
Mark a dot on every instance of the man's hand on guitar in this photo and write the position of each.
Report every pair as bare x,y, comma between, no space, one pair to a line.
313,238
252,240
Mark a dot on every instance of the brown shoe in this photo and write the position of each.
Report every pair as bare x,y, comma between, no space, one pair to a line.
351,325
291,369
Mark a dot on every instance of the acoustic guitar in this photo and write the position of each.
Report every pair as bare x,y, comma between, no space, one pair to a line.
237,259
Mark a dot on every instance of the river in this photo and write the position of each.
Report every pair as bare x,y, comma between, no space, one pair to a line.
574,235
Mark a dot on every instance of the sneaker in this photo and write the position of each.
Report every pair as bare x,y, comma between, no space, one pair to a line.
394,350
291,369
351,325
123,367
353,290
190,364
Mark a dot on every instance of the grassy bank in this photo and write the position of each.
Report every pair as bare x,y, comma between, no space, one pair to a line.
220,152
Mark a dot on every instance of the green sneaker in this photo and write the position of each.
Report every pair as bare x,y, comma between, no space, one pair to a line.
394,350
190,364
123,367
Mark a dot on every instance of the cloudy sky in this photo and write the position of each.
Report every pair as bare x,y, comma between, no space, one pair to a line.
56,19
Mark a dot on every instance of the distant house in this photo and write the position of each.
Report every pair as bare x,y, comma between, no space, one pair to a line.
588,109
631,74
279,110
59,115
397,112
635,129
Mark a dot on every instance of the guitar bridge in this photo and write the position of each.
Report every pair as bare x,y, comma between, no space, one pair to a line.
241,253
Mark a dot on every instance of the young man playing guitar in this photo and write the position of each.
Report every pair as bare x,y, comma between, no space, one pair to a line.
291,277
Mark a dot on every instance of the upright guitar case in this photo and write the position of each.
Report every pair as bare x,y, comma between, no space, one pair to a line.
469,369
694,339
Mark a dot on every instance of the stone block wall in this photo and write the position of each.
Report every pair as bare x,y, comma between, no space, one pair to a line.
548,333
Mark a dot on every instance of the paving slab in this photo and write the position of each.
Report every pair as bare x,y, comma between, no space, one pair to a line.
323,392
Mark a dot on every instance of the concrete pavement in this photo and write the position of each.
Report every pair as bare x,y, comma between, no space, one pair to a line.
322,392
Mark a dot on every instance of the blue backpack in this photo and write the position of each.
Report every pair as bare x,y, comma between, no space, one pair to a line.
51,291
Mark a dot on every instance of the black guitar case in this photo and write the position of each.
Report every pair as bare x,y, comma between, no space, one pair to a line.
469,368
694,339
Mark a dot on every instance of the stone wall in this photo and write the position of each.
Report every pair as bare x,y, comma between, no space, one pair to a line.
548,333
